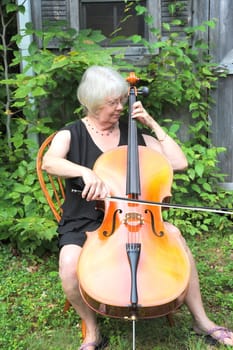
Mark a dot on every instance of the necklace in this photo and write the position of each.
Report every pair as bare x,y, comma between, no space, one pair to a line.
107,133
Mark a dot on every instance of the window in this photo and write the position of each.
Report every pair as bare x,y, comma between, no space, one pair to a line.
108,16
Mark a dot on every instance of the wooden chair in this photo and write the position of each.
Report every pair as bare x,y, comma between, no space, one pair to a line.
52,186
53,189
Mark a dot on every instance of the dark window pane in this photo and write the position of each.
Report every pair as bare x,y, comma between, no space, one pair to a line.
108,16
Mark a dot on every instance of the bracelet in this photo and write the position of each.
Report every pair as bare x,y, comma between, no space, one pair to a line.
163,138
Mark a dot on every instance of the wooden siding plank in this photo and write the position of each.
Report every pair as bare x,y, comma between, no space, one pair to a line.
222,125
183,14
221,37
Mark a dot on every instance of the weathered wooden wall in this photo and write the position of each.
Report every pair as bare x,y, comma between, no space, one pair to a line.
221,48
221,45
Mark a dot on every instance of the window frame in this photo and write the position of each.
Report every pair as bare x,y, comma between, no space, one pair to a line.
107,42
134,52
73,16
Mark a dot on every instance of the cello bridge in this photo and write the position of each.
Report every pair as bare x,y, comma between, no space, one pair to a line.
133,221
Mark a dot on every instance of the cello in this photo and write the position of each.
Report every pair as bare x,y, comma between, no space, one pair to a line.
132,267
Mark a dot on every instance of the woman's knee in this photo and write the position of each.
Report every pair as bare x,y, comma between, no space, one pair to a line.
68,261
172,229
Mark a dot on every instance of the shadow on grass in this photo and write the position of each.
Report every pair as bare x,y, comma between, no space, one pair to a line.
155,334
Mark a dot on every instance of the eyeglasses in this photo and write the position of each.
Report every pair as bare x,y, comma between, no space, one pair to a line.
117,101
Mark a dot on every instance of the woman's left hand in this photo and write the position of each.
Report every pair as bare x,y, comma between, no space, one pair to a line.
139,113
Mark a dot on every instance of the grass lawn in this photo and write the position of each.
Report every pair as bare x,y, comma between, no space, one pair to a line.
32,301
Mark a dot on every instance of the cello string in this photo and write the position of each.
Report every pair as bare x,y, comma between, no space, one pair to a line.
133,227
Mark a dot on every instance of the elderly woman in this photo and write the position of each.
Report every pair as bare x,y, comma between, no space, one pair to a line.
72,154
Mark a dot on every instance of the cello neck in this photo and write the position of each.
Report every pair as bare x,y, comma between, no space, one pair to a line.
133,187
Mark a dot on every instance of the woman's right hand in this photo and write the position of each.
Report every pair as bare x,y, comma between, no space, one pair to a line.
94,188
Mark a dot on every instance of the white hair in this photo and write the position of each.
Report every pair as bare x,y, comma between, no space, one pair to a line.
97,84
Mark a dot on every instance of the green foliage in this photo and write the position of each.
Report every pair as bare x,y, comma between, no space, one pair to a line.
198,187
180,75
25,218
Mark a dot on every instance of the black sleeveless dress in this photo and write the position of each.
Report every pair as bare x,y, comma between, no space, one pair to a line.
79,215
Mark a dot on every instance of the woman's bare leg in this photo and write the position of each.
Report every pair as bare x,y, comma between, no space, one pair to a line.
193,299
68,261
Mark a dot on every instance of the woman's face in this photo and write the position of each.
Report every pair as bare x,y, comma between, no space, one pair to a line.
111,110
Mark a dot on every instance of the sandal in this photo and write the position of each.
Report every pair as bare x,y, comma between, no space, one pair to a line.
84,346
224,334
99,346
215,339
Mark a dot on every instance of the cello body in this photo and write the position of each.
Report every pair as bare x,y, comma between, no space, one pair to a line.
162,267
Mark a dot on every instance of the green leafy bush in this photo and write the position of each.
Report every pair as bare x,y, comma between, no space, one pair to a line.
181,78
